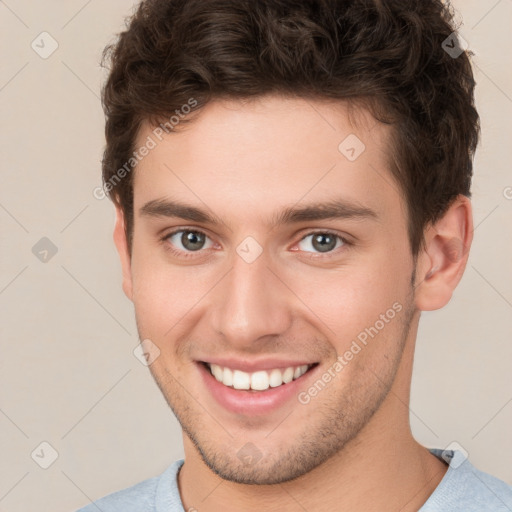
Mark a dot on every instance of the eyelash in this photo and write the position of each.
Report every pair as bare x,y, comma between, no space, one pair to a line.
192,254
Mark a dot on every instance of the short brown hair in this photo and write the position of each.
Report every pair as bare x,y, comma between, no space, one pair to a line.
389,54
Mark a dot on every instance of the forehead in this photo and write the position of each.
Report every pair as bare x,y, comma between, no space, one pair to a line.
250,157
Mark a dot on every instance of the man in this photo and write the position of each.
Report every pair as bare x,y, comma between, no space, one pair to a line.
292,184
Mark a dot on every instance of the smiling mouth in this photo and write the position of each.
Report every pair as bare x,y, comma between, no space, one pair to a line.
260,380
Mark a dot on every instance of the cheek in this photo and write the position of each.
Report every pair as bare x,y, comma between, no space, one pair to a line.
349,297
162,294
170,300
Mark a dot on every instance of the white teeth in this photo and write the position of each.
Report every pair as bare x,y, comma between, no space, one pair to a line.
217,371
260,380
241,380
228,377
276,378
300,370
288,375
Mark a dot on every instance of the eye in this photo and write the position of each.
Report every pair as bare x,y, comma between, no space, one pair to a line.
190,240
322,241
185,242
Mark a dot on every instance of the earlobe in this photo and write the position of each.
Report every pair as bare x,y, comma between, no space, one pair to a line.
443,261
124,253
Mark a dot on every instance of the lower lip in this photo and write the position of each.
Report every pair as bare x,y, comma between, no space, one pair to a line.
253,403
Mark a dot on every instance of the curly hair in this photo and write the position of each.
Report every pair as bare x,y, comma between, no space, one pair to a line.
389,55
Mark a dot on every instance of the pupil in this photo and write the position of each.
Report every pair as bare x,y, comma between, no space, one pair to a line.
192,240
324,242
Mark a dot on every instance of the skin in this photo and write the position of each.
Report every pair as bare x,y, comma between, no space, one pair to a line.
350,447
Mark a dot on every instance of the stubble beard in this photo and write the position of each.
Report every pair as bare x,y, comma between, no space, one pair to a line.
340,415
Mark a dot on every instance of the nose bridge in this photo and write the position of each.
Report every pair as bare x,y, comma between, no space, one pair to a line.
250,302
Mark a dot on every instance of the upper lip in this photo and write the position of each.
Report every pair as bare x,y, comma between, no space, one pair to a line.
256,365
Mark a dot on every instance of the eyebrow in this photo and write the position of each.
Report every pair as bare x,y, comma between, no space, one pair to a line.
334,209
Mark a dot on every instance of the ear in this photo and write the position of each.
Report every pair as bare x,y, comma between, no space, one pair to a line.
441,264
124,253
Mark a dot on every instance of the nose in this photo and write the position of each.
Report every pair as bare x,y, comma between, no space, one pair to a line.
251,303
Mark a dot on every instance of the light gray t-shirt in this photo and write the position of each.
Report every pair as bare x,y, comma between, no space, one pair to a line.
462,489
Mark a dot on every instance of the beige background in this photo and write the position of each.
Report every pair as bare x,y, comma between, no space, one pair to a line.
68,375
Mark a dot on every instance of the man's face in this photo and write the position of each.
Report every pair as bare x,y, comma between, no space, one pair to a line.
260,292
